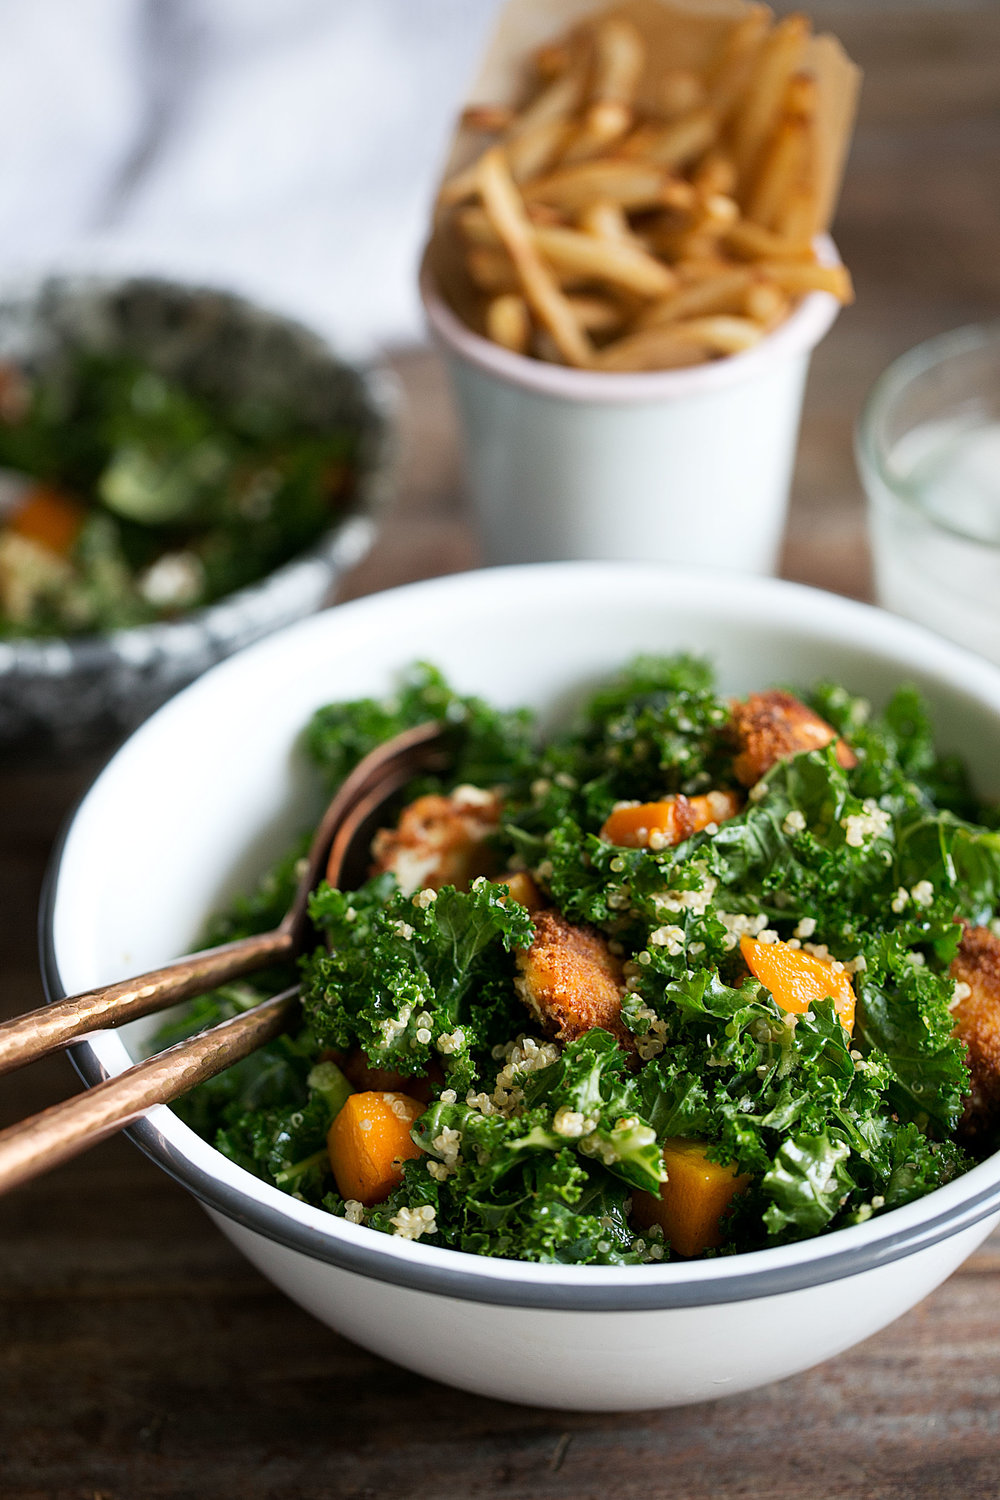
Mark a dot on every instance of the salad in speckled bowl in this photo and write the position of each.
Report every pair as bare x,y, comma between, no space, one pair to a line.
629,1073
180,472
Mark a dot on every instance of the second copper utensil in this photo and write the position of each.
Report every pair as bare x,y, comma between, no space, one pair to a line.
389,767
65,1130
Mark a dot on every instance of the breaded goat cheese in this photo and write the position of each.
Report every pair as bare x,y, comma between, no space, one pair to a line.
571,981
976,971
440,841
770,726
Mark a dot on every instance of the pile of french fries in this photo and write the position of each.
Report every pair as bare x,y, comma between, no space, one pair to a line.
601,233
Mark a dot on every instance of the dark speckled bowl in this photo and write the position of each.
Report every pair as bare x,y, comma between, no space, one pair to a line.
64,698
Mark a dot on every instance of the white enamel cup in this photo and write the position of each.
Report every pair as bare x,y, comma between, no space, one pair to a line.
687,466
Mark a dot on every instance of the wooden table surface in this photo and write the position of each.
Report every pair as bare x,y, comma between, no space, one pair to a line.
141,1357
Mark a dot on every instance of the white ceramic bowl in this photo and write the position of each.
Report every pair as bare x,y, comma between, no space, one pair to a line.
230,790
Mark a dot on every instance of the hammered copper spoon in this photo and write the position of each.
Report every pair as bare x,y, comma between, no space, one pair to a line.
383,771
65,1130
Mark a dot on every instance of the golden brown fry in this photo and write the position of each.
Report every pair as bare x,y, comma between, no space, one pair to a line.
724,292
679,92
730,73
534,137
633,184
572,252
491,269
766,303
508,323
699,235
619,56
781,167
602,125
607,221
505,210
674,345
753,241
491,119
533,151
796,277
597,314
715,173
785,160
676,144
475,228
797,220
779,57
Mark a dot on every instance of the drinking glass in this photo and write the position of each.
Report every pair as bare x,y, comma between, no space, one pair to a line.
928,448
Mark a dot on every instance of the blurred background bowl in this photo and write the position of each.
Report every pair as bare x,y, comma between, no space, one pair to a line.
66,697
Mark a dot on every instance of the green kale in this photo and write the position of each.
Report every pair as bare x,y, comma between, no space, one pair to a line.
413,981
489,746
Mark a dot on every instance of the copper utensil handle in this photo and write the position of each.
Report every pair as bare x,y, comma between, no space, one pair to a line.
24,1038
67,1129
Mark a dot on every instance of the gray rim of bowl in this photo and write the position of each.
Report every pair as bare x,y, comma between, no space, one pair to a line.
828,1265
870,450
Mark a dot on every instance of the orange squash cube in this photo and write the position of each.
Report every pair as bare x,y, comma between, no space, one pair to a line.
368,1143
691,1202
660,825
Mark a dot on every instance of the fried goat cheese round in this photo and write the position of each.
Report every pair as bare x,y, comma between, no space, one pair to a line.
440,841
976,970
771,726
571,981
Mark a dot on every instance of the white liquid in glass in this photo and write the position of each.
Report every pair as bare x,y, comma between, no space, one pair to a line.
937,552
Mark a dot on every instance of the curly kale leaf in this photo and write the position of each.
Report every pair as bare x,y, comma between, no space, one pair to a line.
903,1014
490,746
410,982
806,1184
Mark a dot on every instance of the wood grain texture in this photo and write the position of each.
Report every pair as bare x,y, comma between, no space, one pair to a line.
140,1357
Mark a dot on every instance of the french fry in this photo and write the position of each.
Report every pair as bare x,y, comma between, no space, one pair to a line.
766,303
677,344
680,92
676,144
607,221
785,158
619,56
778,58
490,270
508,322
534,137
597,314
602,125
505,209
569,252
753,242
797,217
798,277
631,184
724,292
669,219
715,173
781,166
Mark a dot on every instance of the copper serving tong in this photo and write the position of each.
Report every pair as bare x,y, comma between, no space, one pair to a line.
65,1130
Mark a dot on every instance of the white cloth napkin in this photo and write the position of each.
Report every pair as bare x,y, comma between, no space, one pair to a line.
284,148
